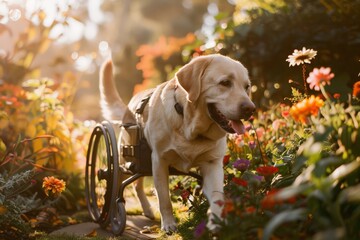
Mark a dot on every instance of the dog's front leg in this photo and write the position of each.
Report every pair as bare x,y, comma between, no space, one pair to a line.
213,188
161,182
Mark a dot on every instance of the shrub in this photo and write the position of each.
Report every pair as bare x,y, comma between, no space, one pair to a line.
294,173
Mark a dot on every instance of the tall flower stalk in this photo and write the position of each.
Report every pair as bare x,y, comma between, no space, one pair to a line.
301,57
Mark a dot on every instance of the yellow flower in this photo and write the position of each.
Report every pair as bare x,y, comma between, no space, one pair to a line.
301,56
53,185
309,106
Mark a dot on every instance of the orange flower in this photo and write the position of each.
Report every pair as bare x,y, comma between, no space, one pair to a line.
356,90
250,209
228,208
269,201
53,185
305,108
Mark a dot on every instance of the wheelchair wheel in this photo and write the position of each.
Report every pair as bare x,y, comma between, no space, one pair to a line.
118,211
118,218
101,167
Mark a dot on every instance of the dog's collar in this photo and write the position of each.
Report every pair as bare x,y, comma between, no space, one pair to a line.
178,108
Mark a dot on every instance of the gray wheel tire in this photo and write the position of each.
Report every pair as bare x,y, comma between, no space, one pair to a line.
118,218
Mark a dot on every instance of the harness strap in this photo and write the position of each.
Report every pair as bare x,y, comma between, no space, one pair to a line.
142,104
140,109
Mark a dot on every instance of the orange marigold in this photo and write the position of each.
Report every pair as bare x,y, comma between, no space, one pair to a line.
228,207
53,185
356,89
309,106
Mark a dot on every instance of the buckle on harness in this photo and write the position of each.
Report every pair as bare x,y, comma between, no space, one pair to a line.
128,151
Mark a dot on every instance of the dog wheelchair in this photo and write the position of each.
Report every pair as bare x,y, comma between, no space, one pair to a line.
106,167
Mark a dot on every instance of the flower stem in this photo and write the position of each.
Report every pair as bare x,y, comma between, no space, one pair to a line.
304,78
258,143
324,93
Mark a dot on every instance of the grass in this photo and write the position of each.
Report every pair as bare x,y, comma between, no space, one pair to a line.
74,237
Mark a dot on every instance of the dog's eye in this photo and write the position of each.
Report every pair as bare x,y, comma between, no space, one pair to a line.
226,83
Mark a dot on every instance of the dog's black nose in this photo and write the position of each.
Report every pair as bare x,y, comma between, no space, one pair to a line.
247,109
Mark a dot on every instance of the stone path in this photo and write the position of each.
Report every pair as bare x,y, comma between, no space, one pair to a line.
135,224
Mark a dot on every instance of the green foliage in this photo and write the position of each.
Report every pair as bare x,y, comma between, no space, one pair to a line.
13,203
273,29
38,133
312,189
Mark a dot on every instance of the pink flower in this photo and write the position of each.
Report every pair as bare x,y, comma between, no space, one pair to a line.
319,76
278,123
260,132
252,145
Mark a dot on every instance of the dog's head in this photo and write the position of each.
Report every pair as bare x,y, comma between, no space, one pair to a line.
224,85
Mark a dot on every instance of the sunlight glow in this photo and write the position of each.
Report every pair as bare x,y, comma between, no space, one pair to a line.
68,28
15,14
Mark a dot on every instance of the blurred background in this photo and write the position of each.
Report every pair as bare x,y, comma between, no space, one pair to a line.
77,36
149,40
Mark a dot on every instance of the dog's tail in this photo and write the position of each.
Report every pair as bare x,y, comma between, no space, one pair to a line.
112,106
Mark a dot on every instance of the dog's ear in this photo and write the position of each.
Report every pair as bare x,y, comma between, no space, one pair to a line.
190,76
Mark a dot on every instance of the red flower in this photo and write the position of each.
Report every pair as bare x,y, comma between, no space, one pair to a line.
336,95
356,90
268,201
285,113
185,195
250,209
226,159
239,181
267,170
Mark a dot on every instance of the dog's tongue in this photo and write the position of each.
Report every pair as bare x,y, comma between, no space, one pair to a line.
238,126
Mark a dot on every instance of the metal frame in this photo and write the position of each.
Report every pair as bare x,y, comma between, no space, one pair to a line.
113,211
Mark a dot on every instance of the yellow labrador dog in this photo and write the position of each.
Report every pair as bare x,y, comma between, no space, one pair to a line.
185,124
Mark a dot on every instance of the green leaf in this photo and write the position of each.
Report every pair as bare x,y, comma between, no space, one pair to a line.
344,170
283,217
221,15
350,194
292,191
323,164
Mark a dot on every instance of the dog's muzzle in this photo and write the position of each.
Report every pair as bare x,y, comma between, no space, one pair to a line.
229,125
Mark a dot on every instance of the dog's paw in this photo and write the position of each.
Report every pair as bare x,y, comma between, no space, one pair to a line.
213,228
169,226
